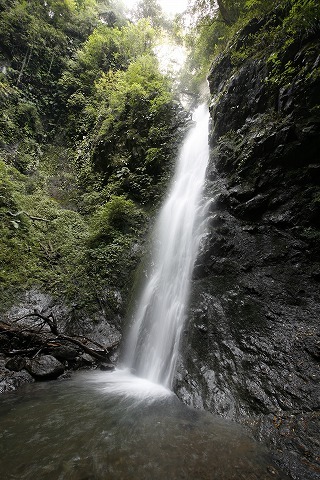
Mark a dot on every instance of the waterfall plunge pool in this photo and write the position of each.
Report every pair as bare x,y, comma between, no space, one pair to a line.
116,426
110,426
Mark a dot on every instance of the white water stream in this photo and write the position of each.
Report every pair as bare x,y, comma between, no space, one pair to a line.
153,341
102,425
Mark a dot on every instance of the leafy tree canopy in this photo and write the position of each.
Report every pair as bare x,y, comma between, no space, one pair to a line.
217,22
89,128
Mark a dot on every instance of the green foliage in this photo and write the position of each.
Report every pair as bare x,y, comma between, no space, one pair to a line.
252,28
151,10
117,217
20,127
258,8
107,51
131,114
203,42
38,239
88,129
217,28
7,190
107,48
303,18
36,38
230,10
299,21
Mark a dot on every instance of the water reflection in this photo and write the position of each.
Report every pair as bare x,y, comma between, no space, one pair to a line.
82,430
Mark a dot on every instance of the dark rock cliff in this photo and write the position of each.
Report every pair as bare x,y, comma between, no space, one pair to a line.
252,346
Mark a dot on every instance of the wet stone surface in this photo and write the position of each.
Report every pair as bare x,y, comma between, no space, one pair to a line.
251,346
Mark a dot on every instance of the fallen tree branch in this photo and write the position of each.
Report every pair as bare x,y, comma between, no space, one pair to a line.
94,342
49,320
40,219
41,342
23,351
86,349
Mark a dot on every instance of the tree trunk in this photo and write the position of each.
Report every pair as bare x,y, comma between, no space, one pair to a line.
227,14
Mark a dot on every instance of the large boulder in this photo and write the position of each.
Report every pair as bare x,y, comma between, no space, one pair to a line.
10,381
45,368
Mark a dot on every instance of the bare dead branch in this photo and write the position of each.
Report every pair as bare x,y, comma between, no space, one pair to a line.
41,342
40,219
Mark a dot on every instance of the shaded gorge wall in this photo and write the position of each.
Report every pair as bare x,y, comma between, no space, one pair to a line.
251,348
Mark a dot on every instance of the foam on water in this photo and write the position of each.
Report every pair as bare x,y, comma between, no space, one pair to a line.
124,384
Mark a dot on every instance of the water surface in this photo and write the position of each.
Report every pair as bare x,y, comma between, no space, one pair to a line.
100,426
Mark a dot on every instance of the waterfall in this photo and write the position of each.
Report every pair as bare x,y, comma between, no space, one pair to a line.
153,341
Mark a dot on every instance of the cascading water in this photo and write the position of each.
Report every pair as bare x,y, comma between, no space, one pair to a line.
132,427
153,341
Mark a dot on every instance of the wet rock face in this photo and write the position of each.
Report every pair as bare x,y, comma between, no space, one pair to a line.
251,348
12,376
45,368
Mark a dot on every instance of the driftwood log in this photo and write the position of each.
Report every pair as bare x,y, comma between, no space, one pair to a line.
34,340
